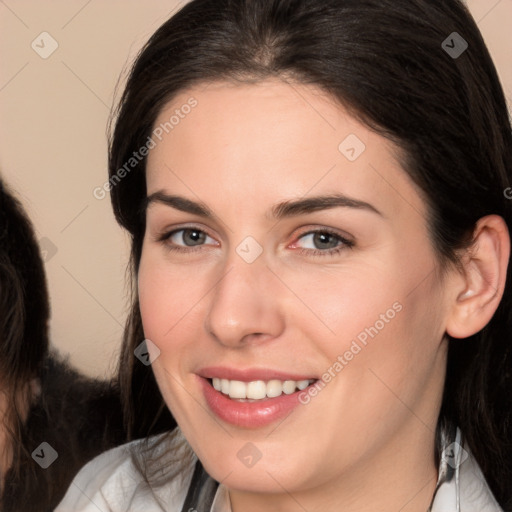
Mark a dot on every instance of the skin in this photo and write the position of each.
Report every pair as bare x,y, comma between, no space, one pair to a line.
243,149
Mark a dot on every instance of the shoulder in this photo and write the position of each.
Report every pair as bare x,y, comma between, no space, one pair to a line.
114,482
94,482
475,493
461,483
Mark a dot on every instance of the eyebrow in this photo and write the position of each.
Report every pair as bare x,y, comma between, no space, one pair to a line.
281,210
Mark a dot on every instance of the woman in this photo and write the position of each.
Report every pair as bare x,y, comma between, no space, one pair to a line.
43,399
320,246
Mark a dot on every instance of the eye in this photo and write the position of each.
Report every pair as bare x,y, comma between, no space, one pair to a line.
322,242
186,239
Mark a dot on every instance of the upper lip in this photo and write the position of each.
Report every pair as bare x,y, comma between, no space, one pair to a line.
250,374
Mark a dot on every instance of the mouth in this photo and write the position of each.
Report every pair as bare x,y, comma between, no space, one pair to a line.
252,399
258,390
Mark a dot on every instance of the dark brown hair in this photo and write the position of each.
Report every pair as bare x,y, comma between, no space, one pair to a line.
384,60
24,311
78,416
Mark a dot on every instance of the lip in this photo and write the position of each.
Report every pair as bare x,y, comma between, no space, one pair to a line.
250,415
250,374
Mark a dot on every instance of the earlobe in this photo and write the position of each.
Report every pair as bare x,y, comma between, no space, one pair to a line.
485,265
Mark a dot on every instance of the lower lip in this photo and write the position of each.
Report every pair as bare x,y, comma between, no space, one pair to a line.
249,414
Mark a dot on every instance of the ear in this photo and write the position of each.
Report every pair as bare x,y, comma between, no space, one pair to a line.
480,288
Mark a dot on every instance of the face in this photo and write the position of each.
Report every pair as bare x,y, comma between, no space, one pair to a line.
289,285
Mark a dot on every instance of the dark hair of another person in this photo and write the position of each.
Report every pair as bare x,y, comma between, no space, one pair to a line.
24,311
78,416
383,61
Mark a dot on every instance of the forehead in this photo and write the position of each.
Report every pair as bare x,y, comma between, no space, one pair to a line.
271,141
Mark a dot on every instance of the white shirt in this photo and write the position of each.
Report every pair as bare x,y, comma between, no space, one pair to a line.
112,483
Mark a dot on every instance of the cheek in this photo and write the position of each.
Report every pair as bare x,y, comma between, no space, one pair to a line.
167,295
346,304
151,298
173,301
168,311
385,326
157,310
397,358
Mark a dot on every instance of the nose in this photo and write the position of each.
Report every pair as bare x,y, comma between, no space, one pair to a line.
244,306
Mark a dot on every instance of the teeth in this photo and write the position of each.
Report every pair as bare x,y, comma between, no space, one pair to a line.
258,389
237,389
303,384
274,388
289,386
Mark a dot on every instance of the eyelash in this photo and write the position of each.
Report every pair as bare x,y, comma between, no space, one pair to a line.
345,244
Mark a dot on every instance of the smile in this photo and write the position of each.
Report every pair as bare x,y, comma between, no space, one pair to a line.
252,398
258,389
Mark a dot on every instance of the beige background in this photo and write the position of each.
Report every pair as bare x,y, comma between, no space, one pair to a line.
53,115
